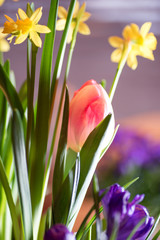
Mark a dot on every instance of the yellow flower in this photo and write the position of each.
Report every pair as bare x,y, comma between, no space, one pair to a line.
4,45
25,27
140,42
82,28
1,2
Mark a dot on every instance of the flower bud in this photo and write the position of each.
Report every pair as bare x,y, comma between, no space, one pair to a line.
88,107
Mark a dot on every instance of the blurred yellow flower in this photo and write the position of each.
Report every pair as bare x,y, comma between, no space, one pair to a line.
139,41
1,2
25,27
4,45
82,28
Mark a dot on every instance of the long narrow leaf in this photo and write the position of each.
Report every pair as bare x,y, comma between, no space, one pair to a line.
9,91
22,173
12,207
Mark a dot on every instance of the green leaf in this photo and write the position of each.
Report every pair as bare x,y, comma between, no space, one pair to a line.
23,95
22,173
12,207
9,91
70,161
127,185
59,168
90,156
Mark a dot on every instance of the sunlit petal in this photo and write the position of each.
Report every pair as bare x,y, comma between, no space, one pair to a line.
4,45
116,55
76,9
84,29
147,53
35,38
36,16
70,33
62,12
22,14
145,28
41,29
9,19
132,61
116,42
60,24
21,38
151,41
1,2
85,17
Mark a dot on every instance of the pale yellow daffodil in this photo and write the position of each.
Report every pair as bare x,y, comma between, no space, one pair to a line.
4,45
139,41
26,27
82,28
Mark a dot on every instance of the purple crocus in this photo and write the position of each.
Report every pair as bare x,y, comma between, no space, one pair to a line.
126,215
59,232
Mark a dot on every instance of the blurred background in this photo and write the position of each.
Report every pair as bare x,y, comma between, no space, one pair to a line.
135,151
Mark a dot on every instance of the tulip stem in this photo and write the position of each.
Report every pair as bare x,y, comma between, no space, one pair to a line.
119,71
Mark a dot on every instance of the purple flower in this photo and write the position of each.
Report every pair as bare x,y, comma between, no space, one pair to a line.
126,215
59,232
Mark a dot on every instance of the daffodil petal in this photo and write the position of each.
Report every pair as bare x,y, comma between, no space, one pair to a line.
2,35
21,38
132,61
41,29
151,41
9,19
147,53
4,45
36,16
134,28
22,14
76,9
116,42
62,12
127,32
85,17
60,24
70,32
84,29
35,38
116,55
1,2
145,29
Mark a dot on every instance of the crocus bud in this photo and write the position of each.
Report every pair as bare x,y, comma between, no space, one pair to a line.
88,107
59,232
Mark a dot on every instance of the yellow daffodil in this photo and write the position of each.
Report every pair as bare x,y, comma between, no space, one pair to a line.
82,28
139,41
4,45
26,26
1,2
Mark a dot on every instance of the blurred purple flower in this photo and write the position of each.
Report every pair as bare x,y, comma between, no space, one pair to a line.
59,232
126,215
133,150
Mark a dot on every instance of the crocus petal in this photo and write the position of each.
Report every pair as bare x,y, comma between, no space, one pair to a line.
60,24
85,16
41,29
145,29
59,232
36,16
22,14
21,38
116,42
84,29
116,55
62,12
4,45
35,38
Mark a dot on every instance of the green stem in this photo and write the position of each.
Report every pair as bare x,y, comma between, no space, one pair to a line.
119,70
1,57
31,83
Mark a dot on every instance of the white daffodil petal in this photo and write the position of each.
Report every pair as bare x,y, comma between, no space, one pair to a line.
145,28
4,45
84,29
35,38
41,29
21,38
36,16
62,12
22,14
60,24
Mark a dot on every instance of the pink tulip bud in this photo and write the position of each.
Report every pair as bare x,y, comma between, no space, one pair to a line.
88,107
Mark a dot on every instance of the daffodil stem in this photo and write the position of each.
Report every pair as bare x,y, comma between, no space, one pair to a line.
119,71
1,57
30,84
